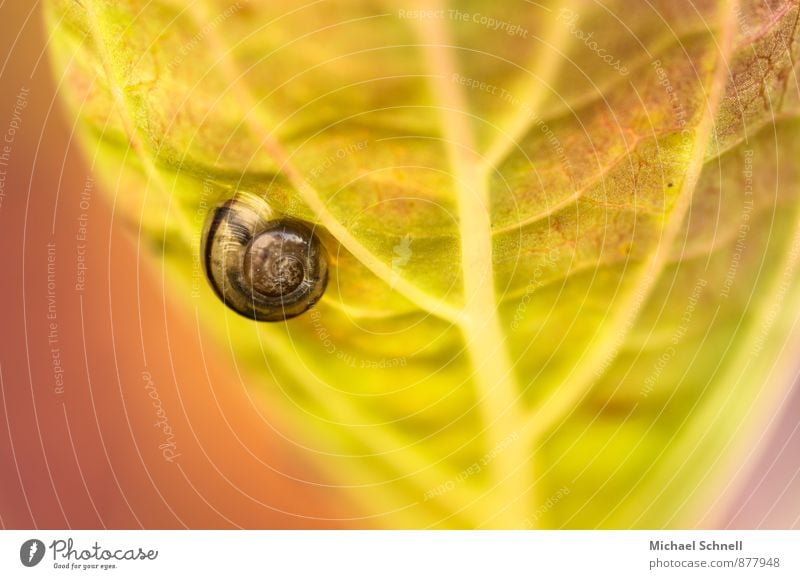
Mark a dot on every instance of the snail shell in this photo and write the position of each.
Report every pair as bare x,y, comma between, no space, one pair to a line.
262,266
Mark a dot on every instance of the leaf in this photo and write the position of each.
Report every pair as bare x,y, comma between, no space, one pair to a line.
564,237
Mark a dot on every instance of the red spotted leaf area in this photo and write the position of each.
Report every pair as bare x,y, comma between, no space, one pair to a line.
563,238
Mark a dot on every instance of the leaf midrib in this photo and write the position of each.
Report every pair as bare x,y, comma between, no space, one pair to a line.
510,474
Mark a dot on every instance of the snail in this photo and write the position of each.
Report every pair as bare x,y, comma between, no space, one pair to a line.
261,265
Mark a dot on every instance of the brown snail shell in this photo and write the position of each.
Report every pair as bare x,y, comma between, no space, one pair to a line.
262,266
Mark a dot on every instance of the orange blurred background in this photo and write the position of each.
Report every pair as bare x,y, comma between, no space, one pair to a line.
81,449
85,371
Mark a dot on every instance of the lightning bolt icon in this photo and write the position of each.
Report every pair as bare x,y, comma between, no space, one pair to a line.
34,548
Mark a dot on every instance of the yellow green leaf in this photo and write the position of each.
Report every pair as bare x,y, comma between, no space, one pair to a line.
563,236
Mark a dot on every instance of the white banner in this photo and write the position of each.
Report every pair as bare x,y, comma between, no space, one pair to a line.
400,554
